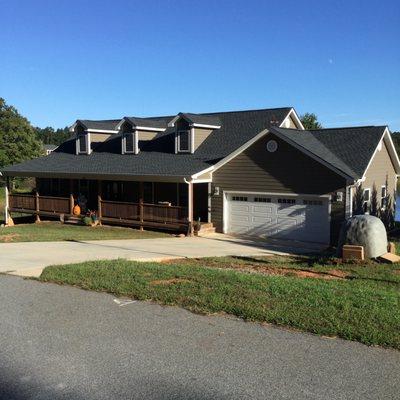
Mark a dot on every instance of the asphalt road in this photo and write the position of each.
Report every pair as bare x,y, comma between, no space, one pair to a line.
65,343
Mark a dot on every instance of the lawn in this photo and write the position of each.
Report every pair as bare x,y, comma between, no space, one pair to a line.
55,231
353,301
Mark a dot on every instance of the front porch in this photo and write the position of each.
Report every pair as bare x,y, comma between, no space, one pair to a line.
173,206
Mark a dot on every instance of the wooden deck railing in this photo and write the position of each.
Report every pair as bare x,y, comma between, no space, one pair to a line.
143,213
39,204
137,214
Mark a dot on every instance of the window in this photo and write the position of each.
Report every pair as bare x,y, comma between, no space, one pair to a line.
383,197
262,199
287,201
239,198
184,141
366,200
82,143
312,202
272,146
129,143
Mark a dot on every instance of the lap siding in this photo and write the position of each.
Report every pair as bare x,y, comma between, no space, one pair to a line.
285,171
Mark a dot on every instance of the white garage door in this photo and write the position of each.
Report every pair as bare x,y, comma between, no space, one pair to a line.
284,217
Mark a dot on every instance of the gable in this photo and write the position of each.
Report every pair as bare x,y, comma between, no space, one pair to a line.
287,170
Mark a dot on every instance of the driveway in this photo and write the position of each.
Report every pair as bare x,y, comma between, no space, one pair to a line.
29,258
60,342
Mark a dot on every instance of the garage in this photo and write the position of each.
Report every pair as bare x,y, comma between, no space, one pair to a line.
292,217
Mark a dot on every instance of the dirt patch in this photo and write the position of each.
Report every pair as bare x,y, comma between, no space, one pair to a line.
338,273
9,238
166,282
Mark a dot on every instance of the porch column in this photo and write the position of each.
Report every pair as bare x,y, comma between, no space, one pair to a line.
99,194
190,207
141,207
7,217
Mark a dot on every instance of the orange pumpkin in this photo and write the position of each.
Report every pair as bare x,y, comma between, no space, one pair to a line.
77,210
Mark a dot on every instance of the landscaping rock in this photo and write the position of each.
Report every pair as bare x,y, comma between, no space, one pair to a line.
366,231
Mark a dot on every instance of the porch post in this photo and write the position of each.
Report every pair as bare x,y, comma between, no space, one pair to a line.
6,207
141,208
190,207
37,206
99,186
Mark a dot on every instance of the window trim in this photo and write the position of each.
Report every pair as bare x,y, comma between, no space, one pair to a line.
87,141
384,198
178,135
124,150
366,202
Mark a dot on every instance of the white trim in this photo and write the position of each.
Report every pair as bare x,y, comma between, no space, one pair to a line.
192,140
278,193
225,203
178,139
292,113
146,128
392,153
78,146
209,202
100,131
6,204
194,125
349,201
124,150
201,180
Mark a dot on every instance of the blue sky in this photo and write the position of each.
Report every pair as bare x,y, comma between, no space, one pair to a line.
63,60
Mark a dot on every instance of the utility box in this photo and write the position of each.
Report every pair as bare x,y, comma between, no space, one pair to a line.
352,252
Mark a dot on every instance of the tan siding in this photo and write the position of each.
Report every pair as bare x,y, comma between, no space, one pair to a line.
381,168
200,135
292,123
146,135
99,137
285,171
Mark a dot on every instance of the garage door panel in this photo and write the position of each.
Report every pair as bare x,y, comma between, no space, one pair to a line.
280,217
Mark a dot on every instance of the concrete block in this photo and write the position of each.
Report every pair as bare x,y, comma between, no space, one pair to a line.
351,252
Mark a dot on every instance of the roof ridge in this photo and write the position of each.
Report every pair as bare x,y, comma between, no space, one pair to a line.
242,111
347,127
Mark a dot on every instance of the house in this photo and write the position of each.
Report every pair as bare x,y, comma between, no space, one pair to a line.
48,148
255,172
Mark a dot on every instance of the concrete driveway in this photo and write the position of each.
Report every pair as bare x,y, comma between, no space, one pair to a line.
29,259
60,342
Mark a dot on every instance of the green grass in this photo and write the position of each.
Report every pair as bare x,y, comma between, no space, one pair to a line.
364,307
55,231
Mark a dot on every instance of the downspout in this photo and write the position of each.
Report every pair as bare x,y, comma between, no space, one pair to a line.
190,205
6,206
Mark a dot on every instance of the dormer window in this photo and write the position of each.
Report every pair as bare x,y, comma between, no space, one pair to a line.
82,140
184,141
129,143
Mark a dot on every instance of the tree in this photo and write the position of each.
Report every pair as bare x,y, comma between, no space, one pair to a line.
50,136
18,141
374,207
310,121
358,201
396,141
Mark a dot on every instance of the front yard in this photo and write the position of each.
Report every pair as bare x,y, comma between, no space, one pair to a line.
55,231
352,301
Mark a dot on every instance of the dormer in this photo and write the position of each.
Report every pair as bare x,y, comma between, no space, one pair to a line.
89,133
135,130
191,130
82,140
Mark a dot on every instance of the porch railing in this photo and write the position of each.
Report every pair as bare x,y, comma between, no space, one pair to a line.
143,213
137,214
31,203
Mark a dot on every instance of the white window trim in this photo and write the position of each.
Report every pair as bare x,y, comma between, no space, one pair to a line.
124,150
88,141
369,198
190,141
383,207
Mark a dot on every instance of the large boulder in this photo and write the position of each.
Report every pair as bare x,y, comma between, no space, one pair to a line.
367,231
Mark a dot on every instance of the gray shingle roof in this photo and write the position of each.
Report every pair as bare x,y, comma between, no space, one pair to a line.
153,122
347,149
157,157
107,124
202,119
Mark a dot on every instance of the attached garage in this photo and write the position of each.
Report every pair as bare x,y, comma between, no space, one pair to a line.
281,216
